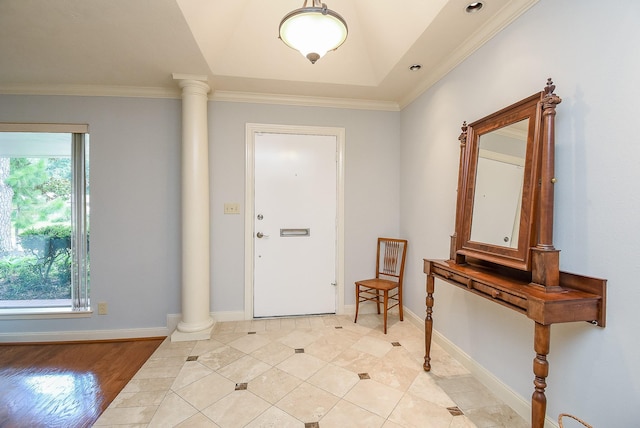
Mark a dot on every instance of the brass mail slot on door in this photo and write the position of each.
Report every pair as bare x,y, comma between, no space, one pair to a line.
290,233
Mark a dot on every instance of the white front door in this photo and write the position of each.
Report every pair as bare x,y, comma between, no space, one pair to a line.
295,213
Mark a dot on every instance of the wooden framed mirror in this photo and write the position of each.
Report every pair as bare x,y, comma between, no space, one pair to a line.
498,196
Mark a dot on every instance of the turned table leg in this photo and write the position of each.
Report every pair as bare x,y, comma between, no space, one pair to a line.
541,371
428,324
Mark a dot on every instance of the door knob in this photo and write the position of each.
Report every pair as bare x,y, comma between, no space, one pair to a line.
261,235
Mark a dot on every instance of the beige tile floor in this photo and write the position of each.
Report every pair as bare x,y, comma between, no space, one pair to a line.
307,372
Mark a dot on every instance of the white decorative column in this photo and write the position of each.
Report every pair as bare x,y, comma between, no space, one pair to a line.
196,323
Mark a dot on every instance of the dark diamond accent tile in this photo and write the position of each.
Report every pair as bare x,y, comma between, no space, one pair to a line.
455,411
311,425
251,332
241,386
364,376
192,358
299,350
396,343
338,327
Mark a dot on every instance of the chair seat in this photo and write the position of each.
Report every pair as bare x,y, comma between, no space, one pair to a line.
379,284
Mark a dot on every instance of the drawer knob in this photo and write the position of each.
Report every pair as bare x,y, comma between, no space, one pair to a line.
495,294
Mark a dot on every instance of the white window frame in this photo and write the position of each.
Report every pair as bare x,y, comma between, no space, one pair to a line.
80,302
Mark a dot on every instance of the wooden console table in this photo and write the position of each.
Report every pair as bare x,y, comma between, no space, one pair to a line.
580,298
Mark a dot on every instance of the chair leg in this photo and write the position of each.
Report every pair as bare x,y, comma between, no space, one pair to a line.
400,304
386,305
357,301
378,300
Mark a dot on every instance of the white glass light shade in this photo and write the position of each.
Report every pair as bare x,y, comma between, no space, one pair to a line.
313,31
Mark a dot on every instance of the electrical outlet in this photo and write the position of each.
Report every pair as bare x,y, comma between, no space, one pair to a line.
103,309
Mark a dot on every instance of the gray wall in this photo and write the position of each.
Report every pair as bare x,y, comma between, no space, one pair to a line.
590,50
135,198
134,219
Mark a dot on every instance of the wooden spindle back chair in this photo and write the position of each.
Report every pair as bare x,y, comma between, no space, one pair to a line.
391,254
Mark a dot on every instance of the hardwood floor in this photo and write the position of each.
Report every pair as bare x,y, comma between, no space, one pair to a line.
66,384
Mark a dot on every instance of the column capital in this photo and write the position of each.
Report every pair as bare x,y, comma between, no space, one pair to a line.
193,81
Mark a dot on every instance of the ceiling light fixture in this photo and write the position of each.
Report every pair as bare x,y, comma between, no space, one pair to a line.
474,7
313,30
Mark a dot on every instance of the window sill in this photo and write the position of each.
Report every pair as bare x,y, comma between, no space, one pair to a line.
33,312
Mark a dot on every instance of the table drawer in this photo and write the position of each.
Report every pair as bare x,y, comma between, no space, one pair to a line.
498,294
450,276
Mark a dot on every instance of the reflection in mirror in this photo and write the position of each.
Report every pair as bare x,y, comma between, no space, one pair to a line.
497,200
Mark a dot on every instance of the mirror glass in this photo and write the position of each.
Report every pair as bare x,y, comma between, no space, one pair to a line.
497,201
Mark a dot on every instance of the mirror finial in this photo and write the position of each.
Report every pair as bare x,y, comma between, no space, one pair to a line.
548,90
463,136
550,99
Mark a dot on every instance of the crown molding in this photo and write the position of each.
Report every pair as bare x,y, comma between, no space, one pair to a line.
296,100
91,91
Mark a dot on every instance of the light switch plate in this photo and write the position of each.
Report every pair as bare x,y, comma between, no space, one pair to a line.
231,208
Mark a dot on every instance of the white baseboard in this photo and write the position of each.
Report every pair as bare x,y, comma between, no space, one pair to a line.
172,322
133,333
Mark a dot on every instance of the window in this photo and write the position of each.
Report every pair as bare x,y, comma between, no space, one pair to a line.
44,229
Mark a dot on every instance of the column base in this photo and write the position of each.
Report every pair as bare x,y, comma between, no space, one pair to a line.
181,336
193,331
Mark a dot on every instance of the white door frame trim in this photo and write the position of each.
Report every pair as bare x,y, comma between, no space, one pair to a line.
251,130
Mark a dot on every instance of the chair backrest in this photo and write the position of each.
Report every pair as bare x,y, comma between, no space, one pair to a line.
391,256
